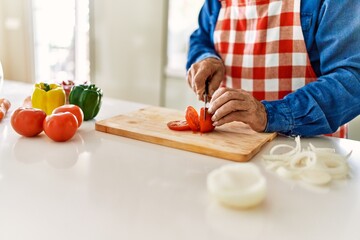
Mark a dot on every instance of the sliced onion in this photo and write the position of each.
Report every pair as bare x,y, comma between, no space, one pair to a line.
313,165
286,173
272,151
315,149
303,160
283,156
315,177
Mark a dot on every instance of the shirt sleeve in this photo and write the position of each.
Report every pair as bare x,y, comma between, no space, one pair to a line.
334,99
201,43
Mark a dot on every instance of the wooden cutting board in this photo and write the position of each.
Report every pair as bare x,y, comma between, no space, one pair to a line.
233,141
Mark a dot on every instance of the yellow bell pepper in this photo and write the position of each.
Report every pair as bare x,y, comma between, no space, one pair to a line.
47,97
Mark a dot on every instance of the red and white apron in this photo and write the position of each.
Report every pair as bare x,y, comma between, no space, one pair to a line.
263,48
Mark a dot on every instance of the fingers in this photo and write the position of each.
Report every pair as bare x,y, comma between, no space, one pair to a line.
222,96
228,108
218,93
197,77
215,82
209,69
231,117
199,81
228,105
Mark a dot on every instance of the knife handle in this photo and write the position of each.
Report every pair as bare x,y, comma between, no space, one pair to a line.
206,92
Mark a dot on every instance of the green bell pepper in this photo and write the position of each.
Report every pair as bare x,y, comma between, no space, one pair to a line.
88,98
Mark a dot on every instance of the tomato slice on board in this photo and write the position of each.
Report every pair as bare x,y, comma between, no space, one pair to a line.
178,125
193,121
206,124
192,118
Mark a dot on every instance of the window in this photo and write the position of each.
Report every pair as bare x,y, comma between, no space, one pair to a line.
183,17
61,40
183,20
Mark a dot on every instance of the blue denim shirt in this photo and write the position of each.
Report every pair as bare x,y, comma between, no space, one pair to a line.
331,29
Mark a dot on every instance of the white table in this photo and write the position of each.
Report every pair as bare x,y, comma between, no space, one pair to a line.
100,186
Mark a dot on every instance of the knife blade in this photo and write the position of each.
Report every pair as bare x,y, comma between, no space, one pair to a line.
206,92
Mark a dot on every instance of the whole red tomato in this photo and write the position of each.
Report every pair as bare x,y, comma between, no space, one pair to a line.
206,124
74,109
28,122
60,127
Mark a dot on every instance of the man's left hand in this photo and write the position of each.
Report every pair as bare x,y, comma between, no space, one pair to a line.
228,105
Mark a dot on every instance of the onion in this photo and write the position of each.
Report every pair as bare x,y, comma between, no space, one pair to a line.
315,177
286,155
313,165
302,160
238,185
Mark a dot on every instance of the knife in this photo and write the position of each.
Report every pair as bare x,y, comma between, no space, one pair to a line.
206,92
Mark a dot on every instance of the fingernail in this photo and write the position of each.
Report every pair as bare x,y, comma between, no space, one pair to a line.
215,124
213,118
211,109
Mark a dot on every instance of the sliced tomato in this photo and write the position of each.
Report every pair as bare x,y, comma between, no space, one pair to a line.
206,124
193,121
178,125
192,118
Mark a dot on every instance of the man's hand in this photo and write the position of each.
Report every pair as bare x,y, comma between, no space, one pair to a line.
228,105
211,69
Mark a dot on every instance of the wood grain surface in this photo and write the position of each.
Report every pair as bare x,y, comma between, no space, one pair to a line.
234,141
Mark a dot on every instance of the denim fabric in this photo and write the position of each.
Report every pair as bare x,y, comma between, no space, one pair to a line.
331,29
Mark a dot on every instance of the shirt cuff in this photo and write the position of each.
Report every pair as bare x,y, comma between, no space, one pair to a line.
279,117
207,55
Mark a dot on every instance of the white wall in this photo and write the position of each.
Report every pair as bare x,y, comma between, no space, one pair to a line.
15,40
128,44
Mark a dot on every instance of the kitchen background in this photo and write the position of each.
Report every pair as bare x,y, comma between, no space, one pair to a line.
134,50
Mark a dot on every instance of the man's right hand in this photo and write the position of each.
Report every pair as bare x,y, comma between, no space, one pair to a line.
211,69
